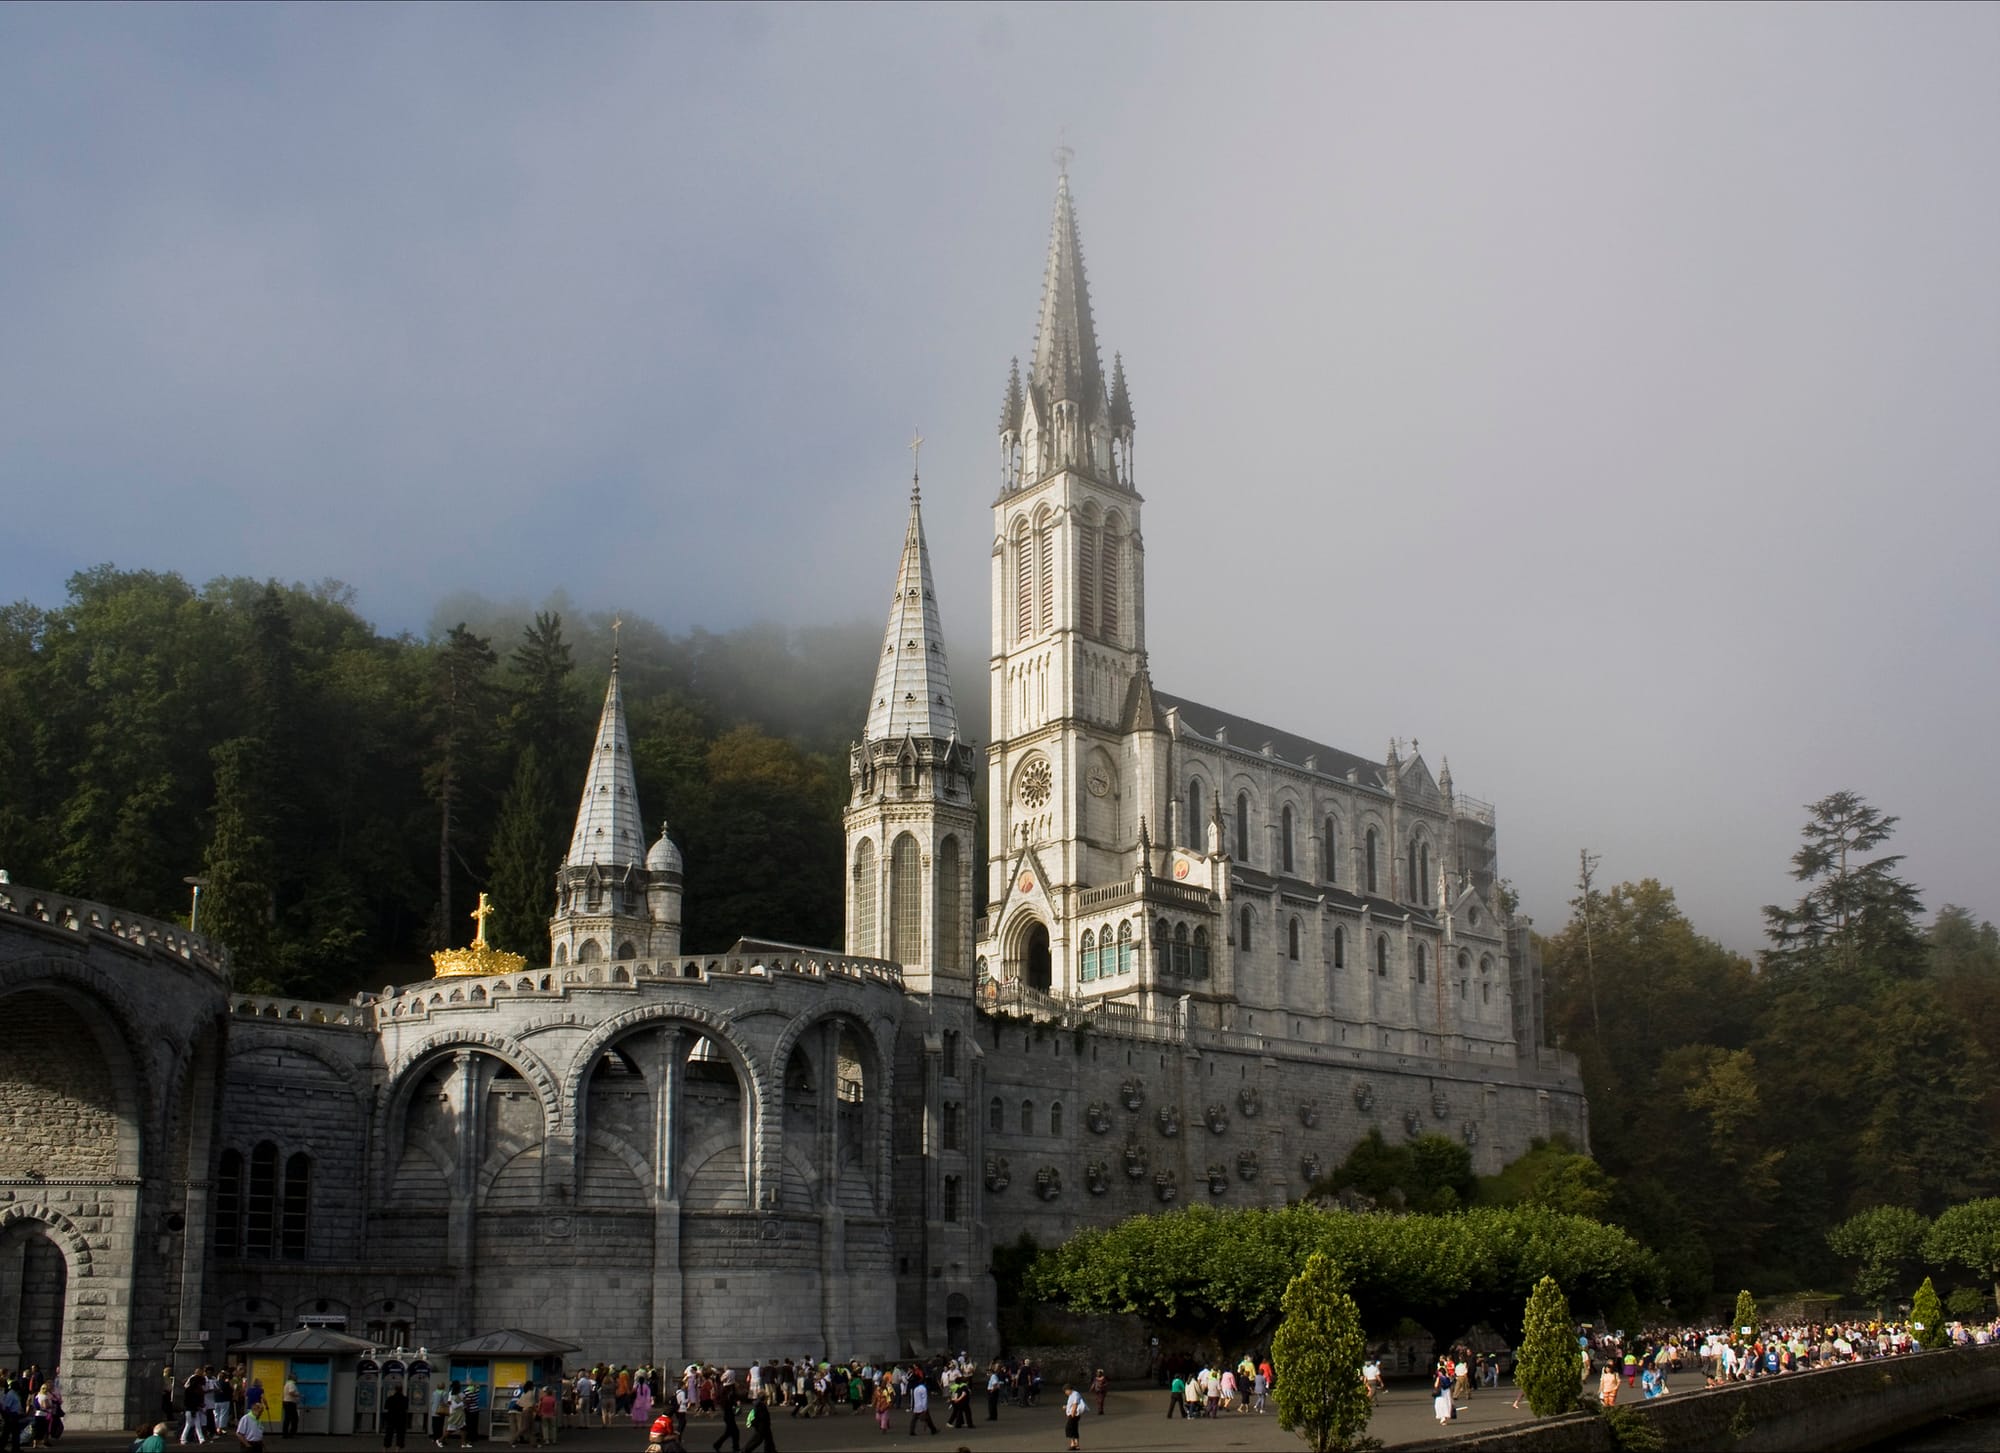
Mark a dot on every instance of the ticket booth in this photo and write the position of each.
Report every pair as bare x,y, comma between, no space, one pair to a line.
326,1365
496,1363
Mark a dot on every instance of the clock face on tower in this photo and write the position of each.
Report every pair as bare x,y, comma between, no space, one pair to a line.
1100,782
1035,783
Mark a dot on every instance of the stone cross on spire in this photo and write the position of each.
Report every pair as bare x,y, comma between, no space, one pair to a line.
916,443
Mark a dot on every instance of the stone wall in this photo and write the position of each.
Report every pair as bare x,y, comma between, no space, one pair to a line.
1834,1410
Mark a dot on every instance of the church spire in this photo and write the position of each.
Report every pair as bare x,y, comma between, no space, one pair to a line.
609,831
912,683
1065,366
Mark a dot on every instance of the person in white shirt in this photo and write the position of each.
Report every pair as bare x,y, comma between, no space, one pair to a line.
1073,1409
920,1406
249,1433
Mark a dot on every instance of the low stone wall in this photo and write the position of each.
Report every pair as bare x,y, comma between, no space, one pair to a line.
1836,1409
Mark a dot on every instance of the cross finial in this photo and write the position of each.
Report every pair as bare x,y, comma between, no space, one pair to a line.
479,915
616,622
1064,152
916,444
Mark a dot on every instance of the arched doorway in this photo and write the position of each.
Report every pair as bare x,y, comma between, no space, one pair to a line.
34,1288
958,1314
1036,966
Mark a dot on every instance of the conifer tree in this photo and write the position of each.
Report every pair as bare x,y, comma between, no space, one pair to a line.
1316,1358
238,865
1746,1314
1548,1371
1927,1317
522,867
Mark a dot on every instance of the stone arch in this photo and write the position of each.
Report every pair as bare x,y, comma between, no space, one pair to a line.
872,1134
1032,956
111,1019
413,1067
666,1014
58,1227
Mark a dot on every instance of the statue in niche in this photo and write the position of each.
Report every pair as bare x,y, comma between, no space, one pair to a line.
1166,1186
1098,1117
1308,1113
997,1177
1364,1096
1048,1183
1097,1177
1250,1099
1133,1093
1170,1121
1246,1164
1135,1161
1218,1117
1218,1178
1309,1167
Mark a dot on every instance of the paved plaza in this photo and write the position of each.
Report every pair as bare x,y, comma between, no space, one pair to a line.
1132,1421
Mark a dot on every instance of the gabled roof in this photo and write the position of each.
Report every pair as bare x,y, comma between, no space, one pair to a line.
510,1342
912,682
609,830
1254,735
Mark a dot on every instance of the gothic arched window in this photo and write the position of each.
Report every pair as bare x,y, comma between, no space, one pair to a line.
1087,547
227,1239
1027,1117
297,1206
1423,963
1045,550
1339,947
948,952
1055,1118
1200,963
1088,957
905,901
1024,584
864,898
260,1206
1125,947
1370,856
996,1114
1183,952
1329,857
1285,840
1243,930
1110,581
1197,825
1382,956
1243,827
1292,940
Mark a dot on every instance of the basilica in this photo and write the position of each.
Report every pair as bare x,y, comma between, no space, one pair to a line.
1213,955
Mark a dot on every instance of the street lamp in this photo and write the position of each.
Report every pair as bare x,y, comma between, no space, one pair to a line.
194,914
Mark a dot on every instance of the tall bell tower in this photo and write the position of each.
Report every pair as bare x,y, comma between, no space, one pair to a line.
1074,743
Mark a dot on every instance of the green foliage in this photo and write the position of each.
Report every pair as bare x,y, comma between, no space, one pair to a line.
1553,1174
1316,1358
1968,1235
1745,1320
1631,1430
1548,1371
1220,1271
266,737
1886,1243
1432,1174
1857,910
1969,1304
1927,1317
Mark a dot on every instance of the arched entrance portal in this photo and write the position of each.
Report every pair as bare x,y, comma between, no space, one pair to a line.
1035,964
34,1291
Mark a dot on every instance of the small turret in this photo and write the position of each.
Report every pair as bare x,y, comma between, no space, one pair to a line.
1013,407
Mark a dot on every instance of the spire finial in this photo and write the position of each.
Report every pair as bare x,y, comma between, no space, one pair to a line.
1064,153
916,443
616,622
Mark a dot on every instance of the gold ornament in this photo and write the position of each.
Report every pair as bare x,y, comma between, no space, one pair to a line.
481,958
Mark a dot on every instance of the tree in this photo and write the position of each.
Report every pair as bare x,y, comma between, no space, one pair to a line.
1547,1371
1856,908
1927,1318
238,867
1886,1242
1316,1358
459,719
522,866
1968,1235
1746,1321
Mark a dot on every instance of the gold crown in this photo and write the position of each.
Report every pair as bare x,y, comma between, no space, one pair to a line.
480,957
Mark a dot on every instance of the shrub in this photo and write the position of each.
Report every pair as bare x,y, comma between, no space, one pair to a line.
1547,1370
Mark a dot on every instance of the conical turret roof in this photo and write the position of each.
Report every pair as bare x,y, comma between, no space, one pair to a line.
609,831
1065,364
912,683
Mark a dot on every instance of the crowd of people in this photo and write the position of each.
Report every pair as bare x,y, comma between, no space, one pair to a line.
31,1408
1213,1389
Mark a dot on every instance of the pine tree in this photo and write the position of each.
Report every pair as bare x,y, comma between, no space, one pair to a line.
1548,1370
1316,1358
1746,1314
459,723
521,869
1927,1317
239,903
1857,911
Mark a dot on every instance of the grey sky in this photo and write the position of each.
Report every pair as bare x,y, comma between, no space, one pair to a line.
1607,397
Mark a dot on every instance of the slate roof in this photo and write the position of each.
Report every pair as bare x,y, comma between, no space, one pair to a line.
609,831
912,682
323,1341
1251,736
509,1342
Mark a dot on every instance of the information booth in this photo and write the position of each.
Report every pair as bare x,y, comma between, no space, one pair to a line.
497,1363
327,1366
